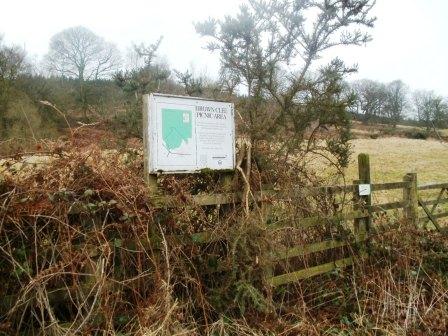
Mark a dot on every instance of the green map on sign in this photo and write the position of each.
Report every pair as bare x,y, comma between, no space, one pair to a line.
176,127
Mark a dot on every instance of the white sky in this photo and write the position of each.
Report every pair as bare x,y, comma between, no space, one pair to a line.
410,36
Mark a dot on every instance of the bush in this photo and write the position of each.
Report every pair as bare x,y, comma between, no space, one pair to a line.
26,120
389,131
129,123
77,235
417,134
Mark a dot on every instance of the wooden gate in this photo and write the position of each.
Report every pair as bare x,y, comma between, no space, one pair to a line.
431,214
359,219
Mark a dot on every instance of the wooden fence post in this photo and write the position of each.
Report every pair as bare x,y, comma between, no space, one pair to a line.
151,180
410,198
356,207
362,225
145,111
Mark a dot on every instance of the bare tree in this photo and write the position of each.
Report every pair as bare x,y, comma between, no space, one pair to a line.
432,110
78,53
12,61
12,65
396,101
376,100
371,98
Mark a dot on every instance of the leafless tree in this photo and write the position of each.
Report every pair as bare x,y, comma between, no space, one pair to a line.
79,53
12,65
12,61
371,98
432,110
396,101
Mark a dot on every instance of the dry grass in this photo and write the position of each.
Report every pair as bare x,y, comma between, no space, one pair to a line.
361,130
392,158
124,274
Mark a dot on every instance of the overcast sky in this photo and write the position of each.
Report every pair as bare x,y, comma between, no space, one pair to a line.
409,39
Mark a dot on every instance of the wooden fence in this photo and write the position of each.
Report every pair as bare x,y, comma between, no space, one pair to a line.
361,215
430,215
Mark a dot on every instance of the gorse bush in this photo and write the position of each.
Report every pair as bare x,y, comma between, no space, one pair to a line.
87,247
417,134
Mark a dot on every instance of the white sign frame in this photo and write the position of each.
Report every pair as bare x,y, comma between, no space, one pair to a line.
364,189
203,131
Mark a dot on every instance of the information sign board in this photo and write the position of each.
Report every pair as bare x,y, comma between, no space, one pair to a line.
188,134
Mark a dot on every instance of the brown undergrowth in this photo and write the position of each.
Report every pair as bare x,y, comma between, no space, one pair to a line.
86,249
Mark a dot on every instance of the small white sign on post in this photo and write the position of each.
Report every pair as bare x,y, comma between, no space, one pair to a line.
364,189
188,134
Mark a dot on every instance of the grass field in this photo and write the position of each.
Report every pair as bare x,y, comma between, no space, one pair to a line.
392,158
